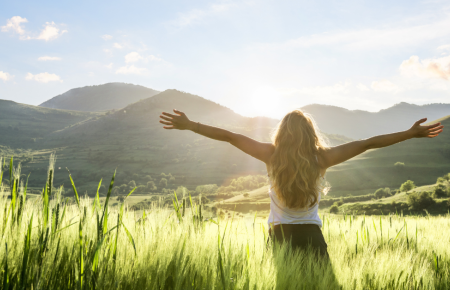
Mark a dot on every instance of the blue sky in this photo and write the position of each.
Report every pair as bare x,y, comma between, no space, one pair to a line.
256,57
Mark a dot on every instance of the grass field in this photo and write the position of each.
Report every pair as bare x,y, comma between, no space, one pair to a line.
47,244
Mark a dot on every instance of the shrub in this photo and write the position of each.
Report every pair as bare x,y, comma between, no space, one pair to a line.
448,202
132,184
440,191
339,203
407,186
246,194
151,186
163,183
399,165
446,177
121,198
382,192
334,209
207,188
440,180
418,201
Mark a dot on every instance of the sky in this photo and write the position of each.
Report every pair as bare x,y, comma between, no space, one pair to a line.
255,57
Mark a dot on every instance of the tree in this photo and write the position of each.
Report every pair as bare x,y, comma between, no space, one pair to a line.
440,180
207,188
148,178
334,209
246,194
182,191
407,186
132,184
382,192
421,200
399,165
172,180
163,183
440,191
151,186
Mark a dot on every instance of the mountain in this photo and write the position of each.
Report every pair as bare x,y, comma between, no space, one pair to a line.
99,98
132,140
22,125
359,124
424,159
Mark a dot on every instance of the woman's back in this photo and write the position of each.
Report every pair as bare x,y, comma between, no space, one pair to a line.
282,214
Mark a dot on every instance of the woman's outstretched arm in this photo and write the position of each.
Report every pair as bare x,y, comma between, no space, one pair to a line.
341,153
180,121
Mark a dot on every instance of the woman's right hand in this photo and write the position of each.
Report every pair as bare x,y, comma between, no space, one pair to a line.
430,131
179,121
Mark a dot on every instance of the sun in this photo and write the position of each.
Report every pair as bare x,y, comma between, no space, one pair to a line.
262,101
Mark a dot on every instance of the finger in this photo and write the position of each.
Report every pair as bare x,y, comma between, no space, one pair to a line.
179,112
168,128
420,121
432,136
170,115
165,118
436,129
165,123
433,126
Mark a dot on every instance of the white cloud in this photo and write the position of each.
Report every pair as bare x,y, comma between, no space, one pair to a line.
126,70
444,47
117,45
386,86
5,76
437,68
106,37
109,66
369,38
46,58
197,15
362,87
43,77
14,25
108,51
134,57
51,31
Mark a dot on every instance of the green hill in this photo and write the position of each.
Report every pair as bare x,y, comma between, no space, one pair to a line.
424,160
359,124
99,98
133,140
23,125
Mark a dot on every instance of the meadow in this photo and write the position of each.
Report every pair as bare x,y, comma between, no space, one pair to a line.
48,243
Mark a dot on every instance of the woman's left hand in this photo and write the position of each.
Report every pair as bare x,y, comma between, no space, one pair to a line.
179,121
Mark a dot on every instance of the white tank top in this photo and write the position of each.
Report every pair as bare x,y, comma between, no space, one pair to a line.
281,214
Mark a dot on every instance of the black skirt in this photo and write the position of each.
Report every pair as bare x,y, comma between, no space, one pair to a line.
305,237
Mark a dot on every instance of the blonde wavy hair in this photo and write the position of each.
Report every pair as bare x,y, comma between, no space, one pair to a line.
293,168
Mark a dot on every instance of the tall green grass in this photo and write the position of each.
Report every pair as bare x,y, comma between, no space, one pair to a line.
51,244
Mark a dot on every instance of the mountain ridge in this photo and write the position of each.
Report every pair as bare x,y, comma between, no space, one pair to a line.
97,98
359,124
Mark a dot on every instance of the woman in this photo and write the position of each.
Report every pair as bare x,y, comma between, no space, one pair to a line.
296,162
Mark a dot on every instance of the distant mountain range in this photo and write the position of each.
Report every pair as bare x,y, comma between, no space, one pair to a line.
92,144
99,98
362,124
